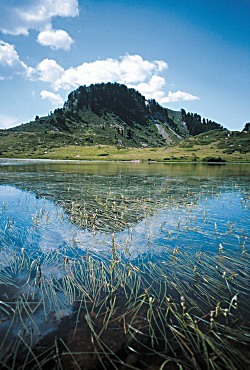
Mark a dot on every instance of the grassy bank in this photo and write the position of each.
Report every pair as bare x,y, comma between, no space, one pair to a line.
197,153
217,144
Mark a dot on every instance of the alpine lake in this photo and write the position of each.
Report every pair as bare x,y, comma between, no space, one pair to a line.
112,265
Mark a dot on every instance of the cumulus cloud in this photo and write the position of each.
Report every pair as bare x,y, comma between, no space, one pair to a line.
132,70
8,54
48,71
10,61
55,39
178,96
87,73
128,69
38,15
55,99
153,89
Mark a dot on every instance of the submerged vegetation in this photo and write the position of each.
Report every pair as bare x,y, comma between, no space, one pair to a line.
153,274
183,310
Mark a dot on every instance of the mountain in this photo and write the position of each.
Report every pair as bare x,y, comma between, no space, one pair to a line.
110,114
118,123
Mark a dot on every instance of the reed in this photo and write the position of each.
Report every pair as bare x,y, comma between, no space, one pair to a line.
172,304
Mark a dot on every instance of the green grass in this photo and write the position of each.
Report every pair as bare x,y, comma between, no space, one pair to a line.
232,147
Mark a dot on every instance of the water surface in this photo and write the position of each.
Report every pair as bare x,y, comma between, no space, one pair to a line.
135,214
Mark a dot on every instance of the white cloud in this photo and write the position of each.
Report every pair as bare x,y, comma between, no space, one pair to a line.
8,121
132,70
60,8
48,71
88,73
129,69
55,39
8,54
38,16
178,96
152,89
55,99
17,31
10,61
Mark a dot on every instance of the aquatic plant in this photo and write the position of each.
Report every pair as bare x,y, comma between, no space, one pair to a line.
168,287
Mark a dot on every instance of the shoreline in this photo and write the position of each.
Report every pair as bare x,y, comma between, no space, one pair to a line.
130,161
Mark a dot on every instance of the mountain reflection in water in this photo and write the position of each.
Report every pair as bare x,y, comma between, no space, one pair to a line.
77,239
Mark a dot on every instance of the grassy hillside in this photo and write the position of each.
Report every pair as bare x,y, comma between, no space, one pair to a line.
108,114
111,121
104,114
89,128
230,147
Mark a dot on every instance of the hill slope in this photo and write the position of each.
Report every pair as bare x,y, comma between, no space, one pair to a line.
216,145
108,120
112,114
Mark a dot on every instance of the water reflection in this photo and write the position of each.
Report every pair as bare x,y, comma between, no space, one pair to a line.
97,233
111,196
201,222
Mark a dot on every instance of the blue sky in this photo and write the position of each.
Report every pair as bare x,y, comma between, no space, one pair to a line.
184,53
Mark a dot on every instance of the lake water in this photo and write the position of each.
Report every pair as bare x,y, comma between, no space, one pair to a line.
192,206
56,215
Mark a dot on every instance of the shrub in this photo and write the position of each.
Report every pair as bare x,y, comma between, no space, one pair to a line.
214,160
